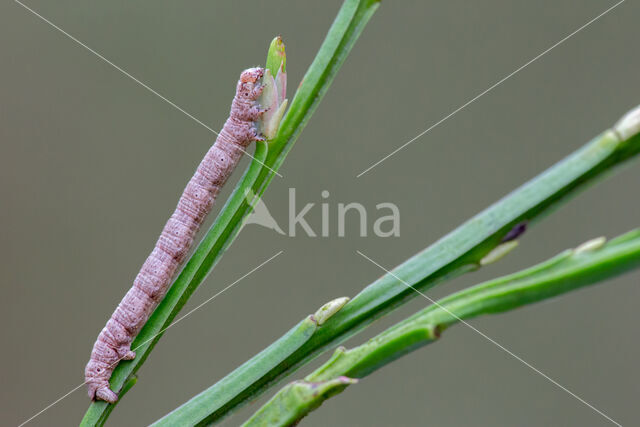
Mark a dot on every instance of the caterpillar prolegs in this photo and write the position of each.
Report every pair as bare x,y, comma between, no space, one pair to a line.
150,286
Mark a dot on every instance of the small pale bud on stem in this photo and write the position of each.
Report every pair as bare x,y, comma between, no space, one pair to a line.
629,124
275,89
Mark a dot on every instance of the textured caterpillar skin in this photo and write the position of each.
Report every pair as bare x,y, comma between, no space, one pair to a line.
151,284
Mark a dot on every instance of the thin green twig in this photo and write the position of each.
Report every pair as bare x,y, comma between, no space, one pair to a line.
463,250
268,158
590,263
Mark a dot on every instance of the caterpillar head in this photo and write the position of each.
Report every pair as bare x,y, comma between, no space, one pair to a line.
249,86
251,75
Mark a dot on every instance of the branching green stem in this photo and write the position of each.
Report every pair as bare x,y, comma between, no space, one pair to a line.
568,271
460,251
268,158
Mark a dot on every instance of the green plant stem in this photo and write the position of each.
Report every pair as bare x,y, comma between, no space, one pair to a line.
236,381
458,252
268,158
568,271
129,383
295,401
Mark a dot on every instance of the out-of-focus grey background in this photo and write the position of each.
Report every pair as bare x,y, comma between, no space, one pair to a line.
92,163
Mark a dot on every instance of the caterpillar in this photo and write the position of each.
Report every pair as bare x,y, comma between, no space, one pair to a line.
152,282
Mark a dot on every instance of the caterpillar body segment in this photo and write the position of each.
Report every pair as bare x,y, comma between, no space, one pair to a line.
152,282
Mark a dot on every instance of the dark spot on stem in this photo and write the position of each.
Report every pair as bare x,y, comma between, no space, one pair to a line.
517,231
437,331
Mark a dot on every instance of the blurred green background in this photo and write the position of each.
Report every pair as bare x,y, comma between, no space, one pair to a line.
91,165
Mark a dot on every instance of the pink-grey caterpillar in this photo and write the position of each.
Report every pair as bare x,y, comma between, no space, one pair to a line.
151,284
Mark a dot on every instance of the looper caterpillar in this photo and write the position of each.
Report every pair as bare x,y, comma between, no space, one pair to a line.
152,282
